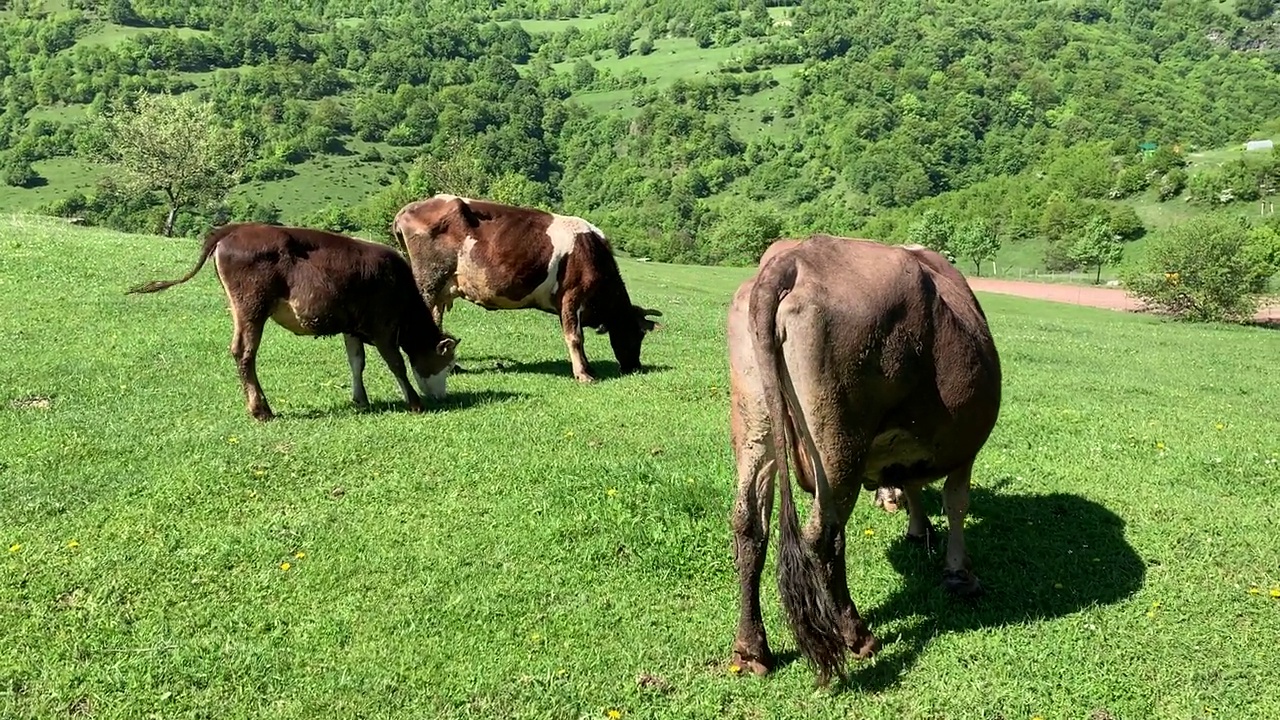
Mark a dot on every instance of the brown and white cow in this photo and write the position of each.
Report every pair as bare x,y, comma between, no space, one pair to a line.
318,283
503,257
867,366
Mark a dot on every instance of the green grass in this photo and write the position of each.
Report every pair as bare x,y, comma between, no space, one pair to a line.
111,34
555,26
672,58
535,546
321,181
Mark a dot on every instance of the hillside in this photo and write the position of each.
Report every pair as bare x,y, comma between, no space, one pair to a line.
691,131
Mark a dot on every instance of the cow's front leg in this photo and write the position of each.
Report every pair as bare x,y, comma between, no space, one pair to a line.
958,578
572,328
391,355
750,520
919,529
355,358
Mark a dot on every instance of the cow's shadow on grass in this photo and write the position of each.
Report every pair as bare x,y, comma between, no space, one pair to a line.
455,400
1038,557
603,369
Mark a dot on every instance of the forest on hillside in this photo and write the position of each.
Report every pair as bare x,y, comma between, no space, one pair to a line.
1018,118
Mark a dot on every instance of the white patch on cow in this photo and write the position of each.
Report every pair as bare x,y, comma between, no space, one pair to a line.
913,246
285,314
563,233
433,387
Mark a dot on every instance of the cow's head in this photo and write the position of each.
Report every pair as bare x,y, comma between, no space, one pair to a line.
433,217
432,365
627,333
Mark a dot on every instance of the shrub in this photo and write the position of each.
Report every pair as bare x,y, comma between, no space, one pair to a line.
1207,269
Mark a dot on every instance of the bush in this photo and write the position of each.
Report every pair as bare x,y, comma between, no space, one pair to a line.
1207,269
334,218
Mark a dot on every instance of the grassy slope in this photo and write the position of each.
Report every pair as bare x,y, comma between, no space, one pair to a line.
535,547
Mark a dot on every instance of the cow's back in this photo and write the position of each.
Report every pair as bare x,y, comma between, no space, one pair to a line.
914,347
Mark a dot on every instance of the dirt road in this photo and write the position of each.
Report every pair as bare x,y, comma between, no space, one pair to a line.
1100,297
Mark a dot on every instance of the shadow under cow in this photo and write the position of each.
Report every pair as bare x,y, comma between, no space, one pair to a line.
603,369
1038,557
454,400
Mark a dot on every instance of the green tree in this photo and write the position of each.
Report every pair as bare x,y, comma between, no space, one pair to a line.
976,241
622,42
1097,246
1209,268
1125,223
173,145
934,231
1254,9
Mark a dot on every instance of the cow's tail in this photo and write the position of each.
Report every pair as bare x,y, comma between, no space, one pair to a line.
210,243
803,583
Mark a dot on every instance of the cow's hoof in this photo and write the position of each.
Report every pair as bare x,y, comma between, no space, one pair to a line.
962,584
753,663
928,541
585,379
415,407
262,414
362,404
864,644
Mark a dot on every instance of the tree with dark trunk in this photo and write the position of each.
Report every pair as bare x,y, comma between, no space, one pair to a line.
174,146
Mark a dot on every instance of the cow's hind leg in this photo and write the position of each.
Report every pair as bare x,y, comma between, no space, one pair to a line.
391,356
244,348
958,577
857,636
751,512
355,357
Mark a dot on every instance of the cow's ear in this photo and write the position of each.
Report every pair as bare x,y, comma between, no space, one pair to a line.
462,209
447,343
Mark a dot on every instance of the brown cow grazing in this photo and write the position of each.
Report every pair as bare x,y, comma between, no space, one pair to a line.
866,365
502,257
319,283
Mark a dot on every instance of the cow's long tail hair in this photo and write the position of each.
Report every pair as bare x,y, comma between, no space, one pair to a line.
210,243
802,580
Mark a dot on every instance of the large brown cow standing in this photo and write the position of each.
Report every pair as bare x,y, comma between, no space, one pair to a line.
319,283
866,365
503,257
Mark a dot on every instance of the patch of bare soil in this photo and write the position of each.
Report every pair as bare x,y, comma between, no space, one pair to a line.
1108,298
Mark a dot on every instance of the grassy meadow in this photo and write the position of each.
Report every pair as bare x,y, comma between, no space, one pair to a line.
535,548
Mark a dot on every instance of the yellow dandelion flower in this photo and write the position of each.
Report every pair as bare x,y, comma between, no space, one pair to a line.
1159,445
15,547
300,554
1036,717
1254,590
73,544
233,440
535,637
1275,592
1220,426
611,492
259,472
614,715
868,532
285,566
735,668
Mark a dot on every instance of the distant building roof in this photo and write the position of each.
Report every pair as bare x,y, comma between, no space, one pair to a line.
1259,145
